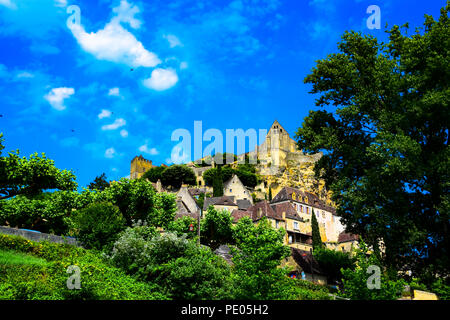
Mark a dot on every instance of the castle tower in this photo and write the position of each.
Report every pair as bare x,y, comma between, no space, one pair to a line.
138,166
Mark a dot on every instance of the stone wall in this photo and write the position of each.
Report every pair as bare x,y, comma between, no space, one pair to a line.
38,236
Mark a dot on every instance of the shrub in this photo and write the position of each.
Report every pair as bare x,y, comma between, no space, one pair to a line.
181,226
184,269
355,281
99,279
216,228
97,226
332,261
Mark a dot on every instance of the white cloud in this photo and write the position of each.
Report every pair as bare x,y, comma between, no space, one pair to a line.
8,4
114,43
173,40
125,12
161,79
110,153
25,74
104,114
61,3
124,133
146,149
116,124
183,65
178,156
114,92
57,95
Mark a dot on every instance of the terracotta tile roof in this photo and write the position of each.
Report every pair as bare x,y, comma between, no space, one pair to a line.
288,208
346,237
302,197
219,201
238,214
263,209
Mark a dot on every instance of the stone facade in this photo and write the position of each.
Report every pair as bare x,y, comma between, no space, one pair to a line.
138,166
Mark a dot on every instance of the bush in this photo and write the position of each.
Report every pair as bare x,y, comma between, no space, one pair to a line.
332,262
97,226
99,279
216,228
355,281
181,226
184,269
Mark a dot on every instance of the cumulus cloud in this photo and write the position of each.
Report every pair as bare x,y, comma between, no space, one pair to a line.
110,153
61,3
116,124
104,114
144,148
8,4
173,40
124,133
161,79
114,92
114,43
57,96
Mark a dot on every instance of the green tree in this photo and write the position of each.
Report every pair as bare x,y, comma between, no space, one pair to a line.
332,261
182,226
185,269
259,252
139,203
177,174
216,228
208,175
154,174
356,280
385,144
218,183
30,176
99,183
315,230
98,225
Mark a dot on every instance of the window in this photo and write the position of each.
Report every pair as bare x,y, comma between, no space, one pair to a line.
276,224
296,225
301,208
307,210
231,190
290,239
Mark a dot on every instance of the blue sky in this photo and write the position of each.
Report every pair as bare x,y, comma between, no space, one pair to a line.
95,94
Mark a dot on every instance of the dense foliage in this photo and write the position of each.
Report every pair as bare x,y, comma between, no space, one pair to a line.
175,175
184,269
385,141
44,275
259,252
315,231
99,183
98,225
154,174
30,176
216,228
355,280
332,261
218,182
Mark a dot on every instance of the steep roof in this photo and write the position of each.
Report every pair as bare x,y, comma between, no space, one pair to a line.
243,204
302,197
286,207
238,214
263,209
219,201
346,237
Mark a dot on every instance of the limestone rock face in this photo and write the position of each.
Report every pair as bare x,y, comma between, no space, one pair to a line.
281,164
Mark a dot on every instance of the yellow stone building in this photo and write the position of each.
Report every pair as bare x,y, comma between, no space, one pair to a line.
138,166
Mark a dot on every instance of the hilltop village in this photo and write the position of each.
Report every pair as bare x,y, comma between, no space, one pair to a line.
296,196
